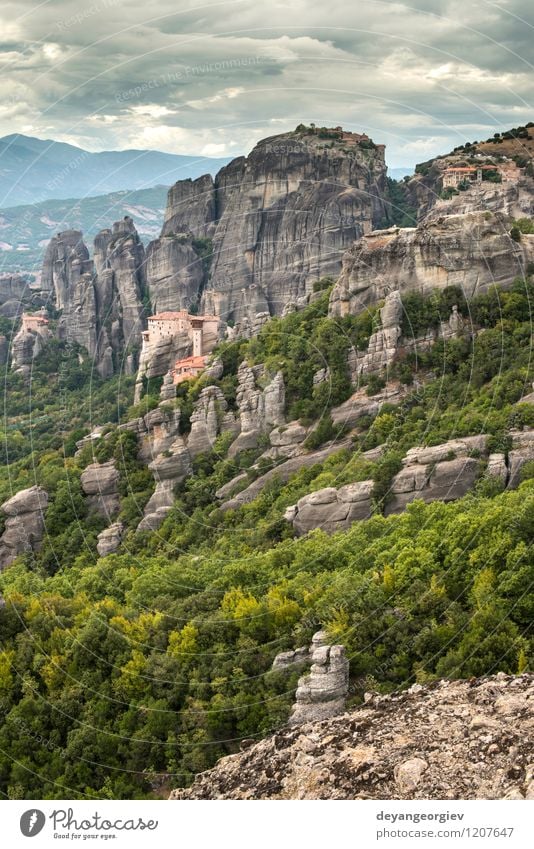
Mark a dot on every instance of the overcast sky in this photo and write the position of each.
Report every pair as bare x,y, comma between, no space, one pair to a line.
213,78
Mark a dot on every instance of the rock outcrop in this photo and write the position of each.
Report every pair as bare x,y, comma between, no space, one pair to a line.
25,523
191,208
110,539
169,469
473,251
360,404
175,273
14,292
286,213
323,692
100,483
332,509
26,345
447,740
440,473
260,409
100,300
278,220
522,452
209,419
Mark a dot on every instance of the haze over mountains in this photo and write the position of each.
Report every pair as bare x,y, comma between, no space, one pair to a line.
34,170
26,230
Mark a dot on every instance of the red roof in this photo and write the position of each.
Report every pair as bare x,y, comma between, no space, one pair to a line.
191,362
168,316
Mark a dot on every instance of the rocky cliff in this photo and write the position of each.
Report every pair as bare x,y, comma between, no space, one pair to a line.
279,220
24,524
473,251
446,740
100,299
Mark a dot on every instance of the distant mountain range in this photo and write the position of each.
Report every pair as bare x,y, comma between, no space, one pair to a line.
26,230
34,170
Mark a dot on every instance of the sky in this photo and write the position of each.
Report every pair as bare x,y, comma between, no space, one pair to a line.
213,78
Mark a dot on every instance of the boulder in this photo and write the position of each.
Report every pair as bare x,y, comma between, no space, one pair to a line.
25,523
323,692
100,483
110,539
332,509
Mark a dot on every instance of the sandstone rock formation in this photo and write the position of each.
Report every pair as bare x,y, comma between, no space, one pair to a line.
260,409
447,740
360,404
383,342
282,472
175,273
279,219
25,523
156,431
191,207
473,251
169,469
14,291
323,692
522,451
100,301
100,483
209,419
26,346
110,539
332,509
440,473
285,215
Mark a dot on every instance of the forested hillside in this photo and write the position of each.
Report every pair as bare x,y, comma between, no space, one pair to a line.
123,676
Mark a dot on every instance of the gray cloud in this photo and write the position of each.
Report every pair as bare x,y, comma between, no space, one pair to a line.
214,77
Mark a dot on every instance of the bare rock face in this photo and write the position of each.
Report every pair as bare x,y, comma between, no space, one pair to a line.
360,404
522,452
100,300
14,289
168,389
169,469
279,219
288,659
323,692
209,419
175,272
473,251
260,410
25,524
157,431
26,346
110,539
440,473
191,207
119,258
100,484
383,342
332,509
286,214
282,472
446,740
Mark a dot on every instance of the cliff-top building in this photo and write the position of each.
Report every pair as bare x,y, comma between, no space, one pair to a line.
202,330
178,333
34,322
456,174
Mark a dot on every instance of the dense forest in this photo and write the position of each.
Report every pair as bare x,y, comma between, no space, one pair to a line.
123,676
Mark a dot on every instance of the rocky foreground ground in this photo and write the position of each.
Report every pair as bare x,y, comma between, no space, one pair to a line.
452,739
